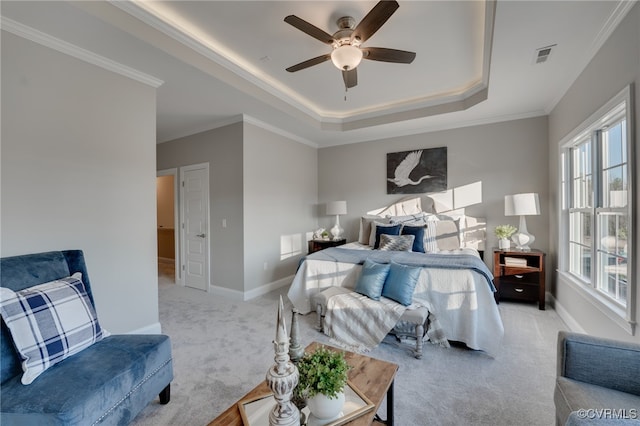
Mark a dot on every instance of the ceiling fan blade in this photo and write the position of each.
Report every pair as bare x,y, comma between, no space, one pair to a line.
309,29
388,55
309,63
350,78
374,20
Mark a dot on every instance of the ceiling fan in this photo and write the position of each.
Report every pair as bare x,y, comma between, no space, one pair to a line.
346,42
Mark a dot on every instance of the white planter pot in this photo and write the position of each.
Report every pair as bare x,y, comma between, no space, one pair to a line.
322,407
504,243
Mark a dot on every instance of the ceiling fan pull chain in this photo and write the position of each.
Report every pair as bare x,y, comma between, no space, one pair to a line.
346,89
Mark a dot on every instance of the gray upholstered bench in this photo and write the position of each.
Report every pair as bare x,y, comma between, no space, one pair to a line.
412,323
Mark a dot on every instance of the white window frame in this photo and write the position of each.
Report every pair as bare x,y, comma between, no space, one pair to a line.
625,317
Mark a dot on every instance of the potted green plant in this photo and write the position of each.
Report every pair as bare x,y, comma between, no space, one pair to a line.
503,232
323,376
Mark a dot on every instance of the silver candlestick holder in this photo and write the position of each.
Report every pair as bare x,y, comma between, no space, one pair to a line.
282,378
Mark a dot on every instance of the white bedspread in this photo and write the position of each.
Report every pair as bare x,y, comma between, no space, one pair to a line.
461,299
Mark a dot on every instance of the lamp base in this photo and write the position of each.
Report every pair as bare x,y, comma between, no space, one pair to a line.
522,240
337,230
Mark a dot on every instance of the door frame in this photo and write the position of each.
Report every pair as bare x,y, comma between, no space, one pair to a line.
176,220
182,235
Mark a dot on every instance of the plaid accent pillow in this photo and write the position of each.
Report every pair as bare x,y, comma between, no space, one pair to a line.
50,322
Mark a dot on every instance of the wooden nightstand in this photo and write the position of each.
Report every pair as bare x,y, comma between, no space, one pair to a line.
315,245
519,275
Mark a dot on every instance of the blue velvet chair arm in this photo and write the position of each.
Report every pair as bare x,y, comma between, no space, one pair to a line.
603,362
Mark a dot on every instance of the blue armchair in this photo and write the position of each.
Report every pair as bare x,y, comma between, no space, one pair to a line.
107,383
598,381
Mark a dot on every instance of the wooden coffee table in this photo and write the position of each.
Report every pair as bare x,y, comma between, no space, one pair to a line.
371,376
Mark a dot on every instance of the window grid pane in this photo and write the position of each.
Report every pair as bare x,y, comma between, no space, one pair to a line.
581,180
612,277
580,244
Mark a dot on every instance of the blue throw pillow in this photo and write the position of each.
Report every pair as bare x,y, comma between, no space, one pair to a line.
418,233
387,229
372,279
401,282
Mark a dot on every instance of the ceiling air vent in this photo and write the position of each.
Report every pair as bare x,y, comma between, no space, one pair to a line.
542,54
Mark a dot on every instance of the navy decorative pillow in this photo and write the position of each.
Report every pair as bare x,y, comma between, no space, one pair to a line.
386,229
401,282
396,242
418,233
372,279
49,322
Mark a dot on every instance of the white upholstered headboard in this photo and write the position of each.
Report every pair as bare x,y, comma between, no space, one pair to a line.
473,230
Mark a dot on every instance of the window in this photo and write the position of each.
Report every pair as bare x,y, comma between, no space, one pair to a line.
597,206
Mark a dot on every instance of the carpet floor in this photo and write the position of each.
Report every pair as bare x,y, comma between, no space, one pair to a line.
222,349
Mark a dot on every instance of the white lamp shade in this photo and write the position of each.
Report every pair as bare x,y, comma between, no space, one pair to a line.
336,207
346,57
521,204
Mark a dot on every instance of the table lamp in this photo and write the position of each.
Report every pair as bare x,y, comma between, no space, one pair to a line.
337,208
522,205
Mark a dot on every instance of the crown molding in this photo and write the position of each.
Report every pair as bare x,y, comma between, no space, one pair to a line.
438,127
44,39
273,129
243,118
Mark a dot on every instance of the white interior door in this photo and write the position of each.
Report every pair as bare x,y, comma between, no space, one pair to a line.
194,203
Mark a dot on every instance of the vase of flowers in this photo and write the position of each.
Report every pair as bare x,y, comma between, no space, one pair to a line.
323,376
503,232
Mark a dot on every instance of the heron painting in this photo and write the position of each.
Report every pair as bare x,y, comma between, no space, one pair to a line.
418,171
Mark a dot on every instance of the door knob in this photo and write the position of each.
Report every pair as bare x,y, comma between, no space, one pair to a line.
200,235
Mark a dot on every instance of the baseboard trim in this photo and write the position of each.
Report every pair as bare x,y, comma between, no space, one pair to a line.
154,328
240,296
565,316
264,289
227,293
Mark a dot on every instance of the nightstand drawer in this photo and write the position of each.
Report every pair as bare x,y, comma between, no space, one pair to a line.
520,278
517,290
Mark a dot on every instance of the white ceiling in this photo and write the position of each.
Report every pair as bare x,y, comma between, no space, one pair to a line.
221,60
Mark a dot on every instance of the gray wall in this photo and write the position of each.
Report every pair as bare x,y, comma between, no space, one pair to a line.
491,161
616,65
222,149
280,195
78,171
265,186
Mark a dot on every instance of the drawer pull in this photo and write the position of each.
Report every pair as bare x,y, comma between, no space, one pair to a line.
519,290
518,276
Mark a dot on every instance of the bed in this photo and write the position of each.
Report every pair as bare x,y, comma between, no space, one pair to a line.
454,283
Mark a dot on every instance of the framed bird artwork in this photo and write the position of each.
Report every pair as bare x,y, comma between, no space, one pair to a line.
418,171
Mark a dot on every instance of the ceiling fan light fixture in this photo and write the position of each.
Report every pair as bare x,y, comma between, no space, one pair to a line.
346,57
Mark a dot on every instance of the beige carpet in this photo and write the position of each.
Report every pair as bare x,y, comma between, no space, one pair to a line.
222,349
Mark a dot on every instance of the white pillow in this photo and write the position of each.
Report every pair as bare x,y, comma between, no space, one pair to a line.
430,243
49,322
448,234
364,235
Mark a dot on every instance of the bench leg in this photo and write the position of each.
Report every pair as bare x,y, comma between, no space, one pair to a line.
165,395
419,343
319,317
